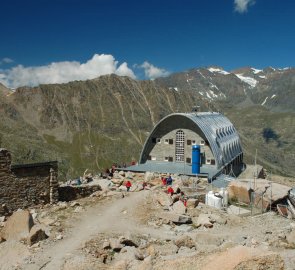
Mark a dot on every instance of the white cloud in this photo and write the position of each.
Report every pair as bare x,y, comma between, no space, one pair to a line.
152,72
63,72
241,6
6,60
124,70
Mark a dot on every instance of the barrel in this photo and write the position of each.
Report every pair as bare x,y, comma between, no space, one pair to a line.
196,159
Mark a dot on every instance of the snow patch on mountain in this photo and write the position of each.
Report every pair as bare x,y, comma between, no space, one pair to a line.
218,70
201,74
213,94
173,88
255,71
262,76
208,96
264,101
273,96
213,86
285,68
252,82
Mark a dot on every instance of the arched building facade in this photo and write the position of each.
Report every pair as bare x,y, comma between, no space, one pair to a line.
169,145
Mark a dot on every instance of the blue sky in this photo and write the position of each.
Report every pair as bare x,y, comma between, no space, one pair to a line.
141,39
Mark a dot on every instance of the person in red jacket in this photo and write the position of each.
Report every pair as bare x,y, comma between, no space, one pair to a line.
128,185
170,191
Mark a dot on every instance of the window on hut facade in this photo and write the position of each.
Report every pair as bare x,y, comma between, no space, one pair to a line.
179,146
188,160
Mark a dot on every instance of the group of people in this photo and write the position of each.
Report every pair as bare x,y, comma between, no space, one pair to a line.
167,181
179,194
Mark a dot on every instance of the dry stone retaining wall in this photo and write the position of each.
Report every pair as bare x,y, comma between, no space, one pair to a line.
22,186
69,193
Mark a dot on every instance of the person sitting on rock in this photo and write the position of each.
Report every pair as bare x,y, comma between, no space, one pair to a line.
169,180
128,185
170,191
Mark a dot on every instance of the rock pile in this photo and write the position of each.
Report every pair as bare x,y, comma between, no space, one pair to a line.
136,250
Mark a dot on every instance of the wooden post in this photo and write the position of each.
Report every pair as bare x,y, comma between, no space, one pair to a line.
53,186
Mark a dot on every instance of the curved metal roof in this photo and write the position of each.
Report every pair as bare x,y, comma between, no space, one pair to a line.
218,130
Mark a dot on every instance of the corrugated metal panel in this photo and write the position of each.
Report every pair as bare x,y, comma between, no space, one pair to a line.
218,130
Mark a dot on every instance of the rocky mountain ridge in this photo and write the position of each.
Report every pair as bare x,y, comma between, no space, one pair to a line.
90,124
271,88
87,124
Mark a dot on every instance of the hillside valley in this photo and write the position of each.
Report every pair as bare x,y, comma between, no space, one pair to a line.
91,124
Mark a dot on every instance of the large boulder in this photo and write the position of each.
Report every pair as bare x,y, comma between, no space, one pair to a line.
164,199
105,184
193,212
219,219
119,175
129,254
36,234
176,218
184,241
115,244
179,208
203,220
156,182
117,182
148,176
129,175
123,188
192,203
129,240
136,187
18,226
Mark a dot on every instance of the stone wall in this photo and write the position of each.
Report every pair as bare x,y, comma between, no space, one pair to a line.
26,185
162,149
69,193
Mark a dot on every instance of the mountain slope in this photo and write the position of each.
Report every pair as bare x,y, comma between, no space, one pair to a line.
271,88
94,123
269,133
91,124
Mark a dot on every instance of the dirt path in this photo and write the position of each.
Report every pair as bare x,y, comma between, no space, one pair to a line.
107,218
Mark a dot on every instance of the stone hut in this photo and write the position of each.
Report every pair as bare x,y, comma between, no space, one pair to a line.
26,185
